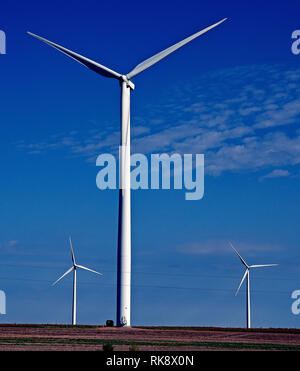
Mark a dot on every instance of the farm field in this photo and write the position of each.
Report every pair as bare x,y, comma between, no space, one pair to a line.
92,338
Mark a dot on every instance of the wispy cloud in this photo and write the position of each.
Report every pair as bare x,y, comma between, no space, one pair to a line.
9,245
277,173
217,246
243,118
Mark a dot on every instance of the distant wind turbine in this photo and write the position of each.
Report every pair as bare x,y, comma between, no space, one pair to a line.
247,273
73,268
124,226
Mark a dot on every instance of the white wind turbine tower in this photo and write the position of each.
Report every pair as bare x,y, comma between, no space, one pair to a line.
73,268
124,226
247,273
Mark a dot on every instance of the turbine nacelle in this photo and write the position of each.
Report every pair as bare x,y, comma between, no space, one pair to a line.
129,83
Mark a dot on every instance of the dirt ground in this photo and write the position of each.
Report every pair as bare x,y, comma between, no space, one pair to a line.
80,338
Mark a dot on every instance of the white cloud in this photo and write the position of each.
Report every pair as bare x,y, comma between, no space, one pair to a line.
277,173
9,244
242,118
217,246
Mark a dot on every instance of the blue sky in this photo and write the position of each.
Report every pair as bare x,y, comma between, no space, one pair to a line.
232,94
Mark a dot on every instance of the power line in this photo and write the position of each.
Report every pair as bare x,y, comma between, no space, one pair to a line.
163,274
147,286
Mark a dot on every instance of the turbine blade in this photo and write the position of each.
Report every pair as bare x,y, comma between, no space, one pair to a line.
244,276
94,66
67,272
241,259
88,269
263,265
72,252
157,57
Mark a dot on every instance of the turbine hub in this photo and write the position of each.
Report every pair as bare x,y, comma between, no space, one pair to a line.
128,82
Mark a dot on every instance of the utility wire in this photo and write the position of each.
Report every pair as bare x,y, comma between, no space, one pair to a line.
161,274
147,286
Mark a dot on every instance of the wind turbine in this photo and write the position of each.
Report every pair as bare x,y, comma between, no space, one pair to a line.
124,224
73,268
247,274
